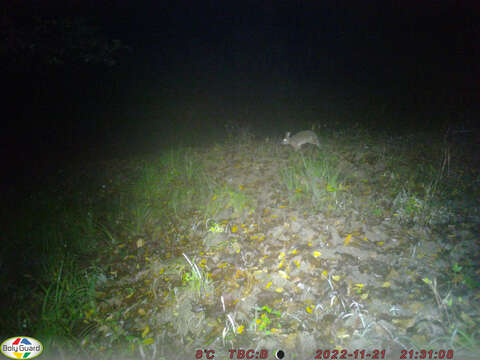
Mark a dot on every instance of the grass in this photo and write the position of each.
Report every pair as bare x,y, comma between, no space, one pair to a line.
66,230
225,197
197,281
316,180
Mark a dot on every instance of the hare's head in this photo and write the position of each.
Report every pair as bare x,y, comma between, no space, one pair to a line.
286,139
301,138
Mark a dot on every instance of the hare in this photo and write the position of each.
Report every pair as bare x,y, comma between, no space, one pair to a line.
303,137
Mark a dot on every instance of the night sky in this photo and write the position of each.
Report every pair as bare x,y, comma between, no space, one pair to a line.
272,64
374,43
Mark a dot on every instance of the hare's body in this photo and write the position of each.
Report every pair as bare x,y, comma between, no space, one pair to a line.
303,137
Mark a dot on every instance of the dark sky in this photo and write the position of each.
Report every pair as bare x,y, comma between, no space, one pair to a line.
274,60
374,41
368,40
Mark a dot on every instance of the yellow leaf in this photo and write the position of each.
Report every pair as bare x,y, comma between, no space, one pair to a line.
240,187
141,312
347,240
386,284
145,331
294,252
364,296
214,197
336,278
89,314
279,290
253,237
281,255
148,341
240,329
342,334
234,228
309,309
283,274
324,274
268,285
317,254
296,263
359,285
380,243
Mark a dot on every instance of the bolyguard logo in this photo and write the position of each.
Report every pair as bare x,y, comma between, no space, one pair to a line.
21,347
